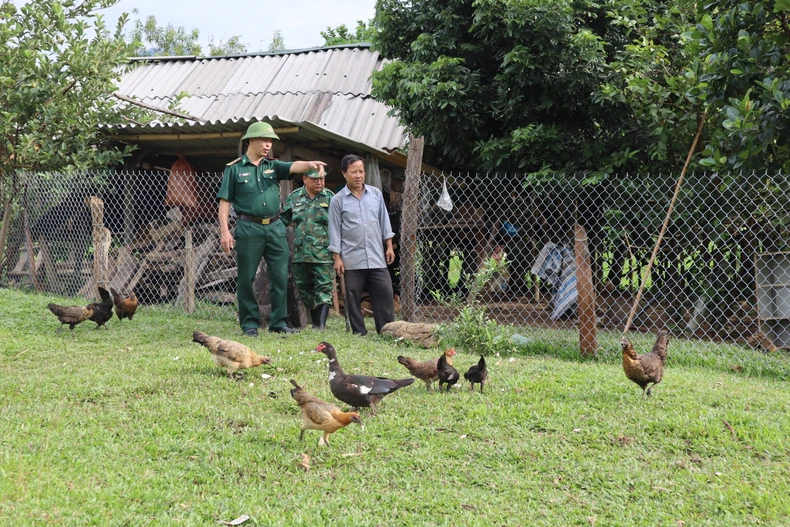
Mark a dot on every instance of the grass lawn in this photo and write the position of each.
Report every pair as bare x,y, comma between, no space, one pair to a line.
137,426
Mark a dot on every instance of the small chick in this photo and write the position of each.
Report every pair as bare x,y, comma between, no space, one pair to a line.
447,373
477,374
321,415
230,354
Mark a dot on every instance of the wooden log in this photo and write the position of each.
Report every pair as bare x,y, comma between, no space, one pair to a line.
588,341
201,260
101,244
418,333
126,266
189,273
409,224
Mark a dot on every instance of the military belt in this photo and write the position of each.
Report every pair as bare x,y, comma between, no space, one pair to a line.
262,221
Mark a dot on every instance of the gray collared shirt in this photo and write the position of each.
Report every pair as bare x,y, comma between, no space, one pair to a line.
358,228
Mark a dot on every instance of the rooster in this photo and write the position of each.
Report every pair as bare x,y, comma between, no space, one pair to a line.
71,315
357,390
423,370
649,367
124,307
477,374
321,415
102,311
230,354
447,373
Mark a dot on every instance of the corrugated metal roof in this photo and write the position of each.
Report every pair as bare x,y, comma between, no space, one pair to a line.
328,87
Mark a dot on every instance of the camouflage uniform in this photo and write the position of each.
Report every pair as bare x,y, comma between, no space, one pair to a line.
312,262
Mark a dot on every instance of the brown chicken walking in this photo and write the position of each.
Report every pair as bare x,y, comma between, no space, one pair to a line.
321,415
125,307
424,370
71,315
649,367
230,354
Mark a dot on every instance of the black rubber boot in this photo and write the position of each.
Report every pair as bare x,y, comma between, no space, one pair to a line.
323,313
314,317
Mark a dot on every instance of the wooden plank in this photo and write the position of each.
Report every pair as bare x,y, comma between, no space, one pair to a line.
125,267
23,260
202,259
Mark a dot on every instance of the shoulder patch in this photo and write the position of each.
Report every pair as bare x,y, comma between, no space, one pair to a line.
233,162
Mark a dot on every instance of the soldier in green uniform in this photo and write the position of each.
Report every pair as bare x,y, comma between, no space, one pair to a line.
307,209
252,185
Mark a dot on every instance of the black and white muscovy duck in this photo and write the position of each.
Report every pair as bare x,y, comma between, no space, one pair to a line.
357,390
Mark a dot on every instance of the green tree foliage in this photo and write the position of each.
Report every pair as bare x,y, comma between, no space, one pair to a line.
148,38
512,84
59,65
745,83
334,36
277,43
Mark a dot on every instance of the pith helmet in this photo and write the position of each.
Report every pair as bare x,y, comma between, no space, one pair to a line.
260,129
313,174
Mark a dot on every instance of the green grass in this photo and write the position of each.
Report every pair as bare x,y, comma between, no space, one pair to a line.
136,426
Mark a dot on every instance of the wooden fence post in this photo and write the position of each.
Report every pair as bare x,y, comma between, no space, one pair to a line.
408,231
189,273
588,341
101,244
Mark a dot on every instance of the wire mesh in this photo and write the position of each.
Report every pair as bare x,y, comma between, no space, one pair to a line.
721,274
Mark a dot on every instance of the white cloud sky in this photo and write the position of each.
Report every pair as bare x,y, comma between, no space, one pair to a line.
299,21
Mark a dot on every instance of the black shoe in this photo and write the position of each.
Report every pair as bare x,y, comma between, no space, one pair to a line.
284,329
252,333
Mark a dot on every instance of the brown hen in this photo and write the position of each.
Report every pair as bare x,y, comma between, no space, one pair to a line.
321,415
124,307
424,370
71,315
647,368
230,354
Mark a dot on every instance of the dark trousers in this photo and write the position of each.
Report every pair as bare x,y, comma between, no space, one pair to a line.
379,287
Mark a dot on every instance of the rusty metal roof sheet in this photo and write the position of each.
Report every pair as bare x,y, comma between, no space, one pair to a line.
328,87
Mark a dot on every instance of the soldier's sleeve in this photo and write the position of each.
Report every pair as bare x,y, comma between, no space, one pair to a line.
283,170
288,206
226,187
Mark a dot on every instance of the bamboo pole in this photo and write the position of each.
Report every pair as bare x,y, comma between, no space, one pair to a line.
665,225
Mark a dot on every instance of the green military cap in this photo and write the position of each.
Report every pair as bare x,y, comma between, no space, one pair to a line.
315,174
260,129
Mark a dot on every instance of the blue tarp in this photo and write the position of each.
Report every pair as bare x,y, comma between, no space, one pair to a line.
557,266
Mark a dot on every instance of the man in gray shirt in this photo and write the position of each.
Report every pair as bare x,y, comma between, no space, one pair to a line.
360,238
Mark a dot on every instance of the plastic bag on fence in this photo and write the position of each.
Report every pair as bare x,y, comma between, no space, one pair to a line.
444,200
183,192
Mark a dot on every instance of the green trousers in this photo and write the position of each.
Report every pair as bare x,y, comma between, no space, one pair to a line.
253,242
314,282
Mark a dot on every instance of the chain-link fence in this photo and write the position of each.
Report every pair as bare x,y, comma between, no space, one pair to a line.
721,274
549,245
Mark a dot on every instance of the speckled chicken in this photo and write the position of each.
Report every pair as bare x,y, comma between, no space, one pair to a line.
477,374
102,311
230,354
71,315
424,370
448,375
358,390
318,414
647,368
125,307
